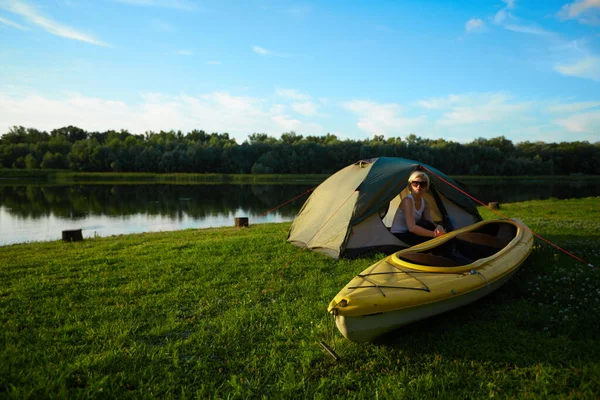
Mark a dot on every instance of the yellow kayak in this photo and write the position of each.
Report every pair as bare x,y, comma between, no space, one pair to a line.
433,277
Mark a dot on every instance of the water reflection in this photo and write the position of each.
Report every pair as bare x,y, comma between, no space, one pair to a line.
41,212
34,212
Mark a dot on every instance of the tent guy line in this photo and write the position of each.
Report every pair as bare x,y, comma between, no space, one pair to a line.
504,216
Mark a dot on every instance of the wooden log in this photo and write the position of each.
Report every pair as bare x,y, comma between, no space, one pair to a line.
72,235
241,222
494,205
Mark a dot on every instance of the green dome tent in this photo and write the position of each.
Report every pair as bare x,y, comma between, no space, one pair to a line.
351,212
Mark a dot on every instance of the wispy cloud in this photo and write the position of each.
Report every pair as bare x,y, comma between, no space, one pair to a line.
467,109
260,50
474,25
585,11
589,68
213,63
503,13
586,122
382,119
307,108
161,26
506,19
268,52
184,53
48,24
174,4
439,103
562,108
292,94
478,108
13,24
529,29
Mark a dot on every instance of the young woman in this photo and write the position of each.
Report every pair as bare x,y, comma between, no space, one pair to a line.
413,223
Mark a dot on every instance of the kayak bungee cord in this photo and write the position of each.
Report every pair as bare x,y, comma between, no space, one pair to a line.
504,216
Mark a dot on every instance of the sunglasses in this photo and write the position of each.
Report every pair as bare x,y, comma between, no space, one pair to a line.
422,184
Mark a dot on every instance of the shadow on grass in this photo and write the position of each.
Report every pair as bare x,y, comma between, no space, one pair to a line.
514,325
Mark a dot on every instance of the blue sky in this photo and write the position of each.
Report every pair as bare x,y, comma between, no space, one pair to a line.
527,70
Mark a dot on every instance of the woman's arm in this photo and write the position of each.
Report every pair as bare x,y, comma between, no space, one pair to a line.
409,214
439,230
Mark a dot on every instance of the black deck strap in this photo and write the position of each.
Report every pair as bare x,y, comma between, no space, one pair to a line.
482,239
427,259
440,205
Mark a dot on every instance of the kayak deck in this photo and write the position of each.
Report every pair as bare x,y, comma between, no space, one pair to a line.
432,277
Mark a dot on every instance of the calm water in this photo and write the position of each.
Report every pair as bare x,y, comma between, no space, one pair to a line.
41,212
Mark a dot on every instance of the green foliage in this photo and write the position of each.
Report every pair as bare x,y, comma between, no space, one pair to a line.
199,152
236,313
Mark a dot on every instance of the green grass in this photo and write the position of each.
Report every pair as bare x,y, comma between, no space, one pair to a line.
215,313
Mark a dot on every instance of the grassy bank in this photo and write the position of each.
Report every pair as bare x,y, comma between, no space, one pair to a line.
215,313
65,177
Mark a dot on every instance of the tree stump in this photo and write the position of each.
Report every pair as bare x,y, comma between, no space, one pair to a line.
241,222
73,235
494,205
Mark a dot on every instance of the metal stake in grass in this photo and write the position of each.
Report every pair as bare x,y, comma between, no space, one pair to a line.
329,350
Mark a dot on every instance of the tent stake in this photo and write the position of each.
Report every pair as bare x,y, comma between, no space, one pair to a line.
329,350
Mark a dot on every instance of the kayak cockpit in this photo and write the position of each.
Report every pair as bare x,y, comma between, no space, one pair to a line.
464,248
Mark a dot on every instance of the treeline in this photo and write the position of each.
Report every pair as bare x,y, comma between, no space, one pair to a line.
197,151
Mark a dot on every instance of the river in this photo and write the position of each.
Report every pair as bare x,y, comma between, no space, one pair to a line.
40,212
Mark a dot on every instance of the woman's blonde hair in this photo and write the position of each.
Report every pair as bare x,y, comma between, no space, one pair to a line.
418,174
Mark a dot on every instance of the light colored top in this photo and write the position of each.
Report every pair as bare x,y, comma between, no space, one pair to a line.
399,223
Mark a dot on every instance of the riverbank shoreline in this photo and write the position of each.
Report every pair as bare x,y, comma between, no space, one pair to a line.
65,176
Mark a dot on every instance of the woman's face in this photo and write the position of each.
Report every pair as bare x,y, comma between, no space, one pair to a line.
418,185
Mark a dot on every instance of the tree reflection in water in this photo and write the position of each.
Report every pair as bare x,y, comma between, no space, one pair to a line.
196,201
25,209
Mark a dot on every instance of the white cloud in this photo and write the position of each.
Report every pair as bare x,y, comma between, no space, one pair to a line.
500,17
382,119
510,22
483,108
474,25
307,108
213,112
260,50
587,122
531,29
573,107
439,103
583,10
213,62
503,14
476,108
49,25
292,94
277,109
267,52
13,24
184,52
588,67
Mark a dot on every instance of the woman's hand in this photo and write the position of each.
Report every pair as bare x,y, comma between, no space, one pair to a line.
439,231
